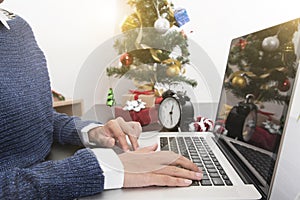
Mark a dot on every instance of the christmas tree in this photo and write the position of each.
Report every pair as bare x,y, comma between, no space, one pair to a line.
153,49
264,64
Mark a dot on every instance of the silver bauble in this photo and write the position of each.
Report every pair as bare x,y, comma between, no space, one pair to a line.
270,43
162,25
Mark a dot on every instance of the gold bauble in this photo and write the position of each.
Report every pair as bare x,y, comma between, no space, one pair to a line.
239,81
173,70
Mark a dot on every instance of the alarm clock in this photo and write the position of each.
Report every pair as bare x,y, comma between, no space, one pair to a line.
175,112
241,120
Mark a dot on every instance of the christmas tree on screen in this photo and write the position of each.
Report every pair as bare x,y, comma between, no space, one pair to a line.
153,47
264,64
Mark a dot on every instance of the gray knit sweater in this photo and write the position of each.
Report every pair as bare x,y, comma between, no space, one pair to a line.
29,125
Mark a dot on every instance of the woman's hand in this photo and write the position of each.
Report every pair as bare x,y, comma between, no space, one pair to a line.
114,132
145,167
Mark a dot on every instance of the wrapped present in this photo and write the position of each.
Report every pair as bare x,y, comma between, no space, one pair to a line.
158,100
202,124
263,116
146,96
144,117
263,139
181,16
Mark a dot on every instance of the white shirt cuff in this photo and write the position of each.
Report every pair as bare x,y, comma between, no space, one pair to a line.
4,19
112,167
84,137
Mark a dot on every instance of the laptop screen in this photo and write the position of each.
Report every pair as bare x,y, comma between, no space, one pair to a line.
256,95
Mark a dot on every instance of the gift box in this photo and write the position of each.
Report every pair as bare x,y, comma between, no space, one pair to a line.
263,116
144,117
146,96
181,16
263,139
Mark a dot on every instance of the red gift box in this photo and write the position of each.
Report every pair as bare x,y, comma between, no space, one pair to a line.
263,139
144,117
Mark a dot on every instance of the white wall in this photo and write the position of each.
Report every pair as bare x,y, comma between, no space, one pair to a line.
67,31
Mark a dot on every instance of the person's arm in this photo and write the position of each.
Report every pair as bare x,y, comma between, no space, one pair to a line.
66,129
73,177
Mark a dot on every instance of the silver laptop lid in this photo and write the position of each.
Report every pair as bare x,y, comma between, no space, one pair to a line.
255,99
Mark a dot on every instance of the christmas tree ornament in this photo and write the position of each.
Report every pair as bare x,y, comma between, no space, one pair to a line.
270,43
156,54
242,43
126,59
181,17
239,81
110,98
131,22
288,53
162,25
284,85
172,71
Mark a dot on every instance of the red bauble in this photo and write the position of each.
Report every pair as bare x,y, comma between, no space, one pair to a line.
284,85
242,43
126,59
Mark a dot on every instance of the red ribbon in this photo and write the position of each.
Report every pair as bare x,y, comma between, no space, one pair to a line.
268,114
137,93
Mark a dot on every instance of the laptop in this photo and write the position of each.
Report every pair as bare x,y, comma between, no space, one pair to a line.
239,155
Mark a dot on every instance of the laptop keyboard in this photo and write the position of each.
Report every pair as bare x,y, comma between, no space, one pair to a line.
263,163
197,150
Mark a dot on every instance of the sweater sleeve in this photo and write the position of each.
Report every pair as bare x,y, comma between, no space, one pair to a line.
73,177
67,128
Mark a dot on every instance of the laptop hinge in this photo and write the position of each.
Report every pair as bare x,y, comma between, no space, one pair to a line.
242,170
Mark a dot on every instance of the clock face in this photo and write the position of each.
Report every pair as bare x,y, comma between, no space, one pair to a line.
249,125
169,113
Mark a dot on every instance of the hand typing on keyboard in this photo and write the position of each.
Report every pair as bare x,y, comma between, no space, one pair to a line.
147,167
197,150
